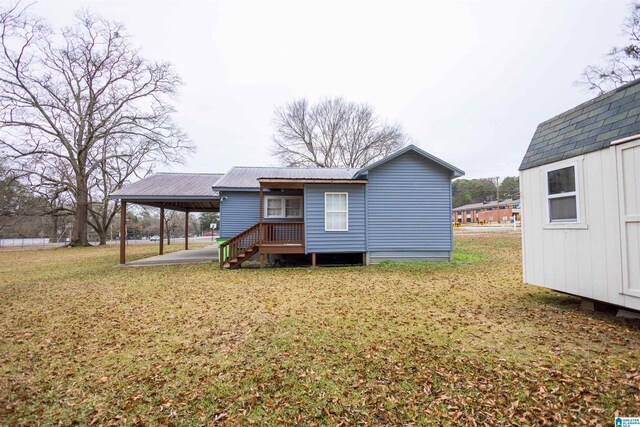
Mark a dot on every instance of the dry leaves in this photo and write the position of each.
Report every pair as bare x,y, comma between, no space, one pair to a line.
85,342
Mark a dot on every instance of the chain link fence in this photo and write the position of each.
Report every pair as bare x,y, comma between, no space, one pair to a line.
15,243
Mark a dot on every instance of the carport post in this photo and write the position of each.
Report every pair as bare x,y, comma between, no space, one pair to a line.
161,231
260,237
186,230
123,231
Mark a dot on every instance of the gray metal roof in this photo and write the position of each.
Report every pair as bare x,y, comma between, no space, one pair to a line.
247,177
174,185
590,126
489,204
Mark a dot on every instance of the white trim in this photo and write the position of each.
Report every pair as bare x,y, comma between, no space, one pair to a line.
578,222
627,139
346,211
283,210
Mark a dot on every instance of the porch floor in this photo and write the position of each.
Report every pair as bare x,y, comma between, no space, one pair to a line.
192,256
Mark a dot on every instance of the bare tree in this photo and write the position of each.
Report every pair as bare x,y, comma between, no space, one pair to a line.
21,210
622,63
332,133
114,170
79,103
173,221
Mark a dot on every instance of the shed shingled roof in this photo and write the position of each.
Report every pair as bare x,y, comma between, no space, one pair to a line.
589,127
165,184
247,177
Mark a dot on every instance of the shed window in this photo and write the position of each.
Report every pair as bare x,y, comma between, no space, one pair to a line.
562,195
336,211
283,207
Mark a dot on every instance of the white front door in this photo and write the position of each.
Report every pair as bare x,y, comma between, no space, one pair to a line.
628,159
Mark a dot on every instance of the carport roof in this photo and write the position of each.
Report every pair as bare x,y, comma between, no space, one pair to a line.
177,191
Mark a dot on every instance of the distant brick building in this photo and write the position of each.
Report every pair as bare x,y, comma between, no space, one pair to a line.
489,212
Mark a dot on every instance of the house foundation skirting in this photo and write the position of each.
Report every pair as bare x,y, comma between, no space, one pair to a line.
376,257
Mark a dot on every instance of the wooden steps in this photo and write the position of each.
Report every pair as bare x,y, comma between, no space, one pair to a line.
272,237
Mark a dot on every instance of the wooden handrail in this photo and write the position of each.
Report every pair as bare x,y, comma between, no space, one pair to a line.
238,244
265,233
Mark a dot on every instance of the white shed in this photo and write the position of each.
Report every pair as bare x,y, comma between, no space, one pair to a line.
580,200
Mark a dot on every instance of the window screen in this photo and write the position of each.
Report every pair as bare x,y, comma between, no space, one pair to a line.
274,207
562,180
562,196
335,212
293,208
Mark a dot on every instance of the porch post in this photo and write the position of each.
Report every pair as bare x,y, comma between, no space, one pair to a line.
161,231
186,230
260,216
313,260
123,231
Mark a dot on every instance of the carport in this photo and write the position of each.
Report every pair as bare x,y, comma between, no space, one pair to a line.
184,192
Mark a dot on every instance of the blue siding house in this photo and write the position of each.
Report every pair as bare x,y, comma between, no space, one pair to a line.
398,208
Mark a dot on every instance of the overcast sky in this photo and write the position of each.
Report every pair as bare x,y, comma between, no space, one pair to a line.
468,80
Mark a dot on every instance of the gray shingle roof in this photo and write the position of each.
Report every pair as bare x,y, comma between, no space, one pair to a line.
590,126
181,185
247,177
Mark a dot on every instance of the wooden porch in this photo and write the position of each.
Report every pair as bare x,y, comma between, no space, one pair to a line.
263,238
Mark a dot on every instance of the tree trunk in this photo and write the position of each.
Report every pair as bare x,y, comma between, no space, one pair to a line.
54,236
102,234
168,232
80,237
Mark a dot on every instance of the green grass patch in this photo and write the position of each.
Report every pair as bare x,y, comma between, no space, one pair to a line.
460,258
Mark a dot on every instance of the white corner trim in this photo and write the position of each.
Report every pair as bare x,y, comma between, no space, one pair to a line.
627,139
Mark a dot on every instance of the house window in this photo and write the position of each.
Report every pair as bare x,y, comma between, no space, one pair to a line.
283,207
562,196
336,212
293,207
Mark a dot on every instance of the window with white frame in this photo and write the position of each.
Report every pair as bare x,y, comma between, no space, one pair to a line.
562,195
283,207
336,211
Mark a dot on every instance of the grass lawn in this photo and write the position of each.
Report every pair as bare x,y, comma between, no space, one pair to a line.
85,342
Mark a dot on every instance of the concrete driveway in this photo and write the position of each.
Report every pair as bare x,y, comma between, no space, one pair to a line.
192,256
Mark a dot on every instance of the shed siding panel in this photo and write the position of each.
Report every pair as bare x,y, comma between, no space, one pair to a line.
580,261
593,178
629,214
409,207
320,241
